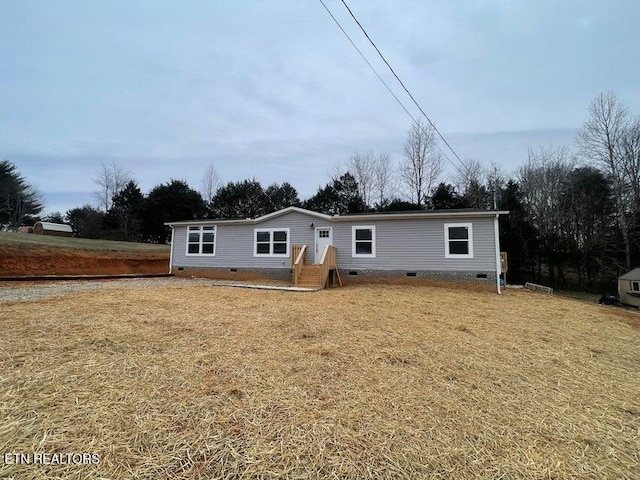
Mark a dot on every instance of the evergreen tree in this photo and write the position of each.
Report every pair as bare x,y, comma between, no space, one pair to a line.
245,199
445,196
86,221
17,198
125,213
338,197
173,201
518,237
281,196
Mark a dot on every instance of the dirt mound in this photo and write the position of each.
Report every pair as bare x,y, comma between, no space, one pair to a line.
41,260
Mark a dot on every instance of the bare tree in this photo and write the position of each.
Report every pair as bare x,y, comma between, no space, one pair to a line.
602,142
210,182
542,180
471,183
111,180
422,165
362,167
496,180
383,177
473,171
631,161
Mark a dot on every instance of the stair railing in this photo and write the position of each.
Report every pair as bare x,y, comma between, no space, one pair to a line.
298,260
328,263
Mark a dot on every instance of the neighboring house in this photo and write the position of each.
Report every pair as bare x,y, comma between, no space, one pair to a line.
446,244
629,287
49,228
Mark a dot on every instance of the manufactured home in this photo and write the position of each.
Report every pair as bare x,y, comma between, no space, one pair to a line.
309,247
629,288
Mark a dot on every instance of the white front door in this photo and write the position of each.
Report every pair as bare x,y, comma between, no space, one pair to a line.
324,237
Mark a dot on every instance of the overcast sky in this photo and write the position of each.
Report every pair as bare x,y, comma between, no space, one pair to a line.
273,90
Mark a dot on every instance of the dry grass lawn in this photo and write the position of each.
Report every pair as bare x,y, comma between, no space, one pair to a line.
359,382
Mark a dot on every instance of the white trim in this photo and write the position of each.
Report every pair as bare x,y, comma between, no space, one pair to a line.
631,289
369,217
200,232
291,209
469,228
373,241
496,234
315,241
347,218
271,254
173,230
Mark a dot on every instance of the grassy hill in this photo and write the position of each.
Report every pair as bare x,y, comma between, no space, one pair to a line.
12,240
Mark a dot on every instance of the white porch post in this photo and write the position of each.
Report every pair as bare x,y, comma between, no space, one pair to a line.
496,233
171,251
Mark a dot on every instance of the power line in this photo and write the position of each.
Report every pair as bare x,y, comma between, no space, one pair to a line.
402,84
415,121
367,62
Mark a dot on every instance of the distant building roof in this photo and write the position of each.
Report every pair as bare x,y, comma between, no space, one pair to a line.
632,275
55,227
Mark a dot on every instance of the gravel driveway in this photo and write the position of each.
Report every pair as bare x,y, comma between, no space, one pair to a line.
33,291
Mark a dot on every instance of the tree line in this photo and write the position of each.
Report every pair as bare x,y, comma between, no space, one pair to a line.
574,218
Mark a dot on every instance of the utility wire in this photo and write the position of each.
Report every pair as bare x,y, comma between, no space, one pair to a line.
368,63
415,121
402,84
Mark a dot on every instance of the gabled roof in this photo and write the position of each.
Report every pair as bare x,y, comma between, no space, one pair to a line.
252,221
356,217
632,275
284,211
55,227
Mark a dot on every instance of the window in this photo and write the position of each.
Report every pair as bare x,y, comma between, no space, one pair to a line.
635,286
271,242
201,240
458,240
363,241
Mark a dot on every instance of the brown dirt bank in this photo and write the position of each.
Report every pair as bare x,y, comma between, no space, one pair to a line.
41,260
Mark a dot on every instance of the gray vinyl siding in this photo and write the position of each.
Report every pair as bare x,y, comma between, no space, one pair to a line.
417,245
235,243
411,245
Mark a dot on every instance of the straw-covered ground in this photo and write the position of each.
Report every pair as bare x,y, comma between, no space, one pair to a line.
196,381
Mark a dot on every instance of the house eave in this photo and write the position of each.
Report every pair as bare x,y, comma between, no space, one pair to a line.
632,275
420,215
210,222
367,217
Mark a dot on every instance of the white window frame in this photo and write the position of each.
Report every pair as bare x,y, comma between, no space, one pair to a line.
373,241
271,254
447,253
637,284
200,232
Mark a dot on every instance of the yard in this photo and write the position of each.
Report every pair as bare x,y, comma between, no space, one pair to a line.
184,380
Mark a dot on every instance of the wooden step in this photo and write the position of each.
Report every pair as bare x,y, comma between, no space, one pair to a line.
309,277
310,268
308,281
